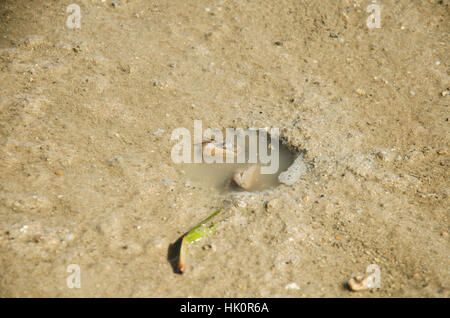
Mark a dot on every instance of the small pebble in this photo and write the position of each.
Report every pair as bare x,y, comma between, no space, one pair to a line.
158,132
239,203
381,155
206,247
292,286
360,92
69,237
24,229
59,173
270,204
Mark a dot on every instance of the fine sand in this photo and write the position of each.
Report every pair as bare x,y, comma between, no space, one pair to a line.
86,176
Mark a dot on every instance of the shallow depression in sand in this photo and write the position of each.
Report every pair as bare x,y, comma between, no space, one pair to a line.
220,176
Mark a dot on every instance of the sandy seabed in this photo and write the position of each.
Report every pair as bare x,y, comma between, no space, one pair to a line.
86,175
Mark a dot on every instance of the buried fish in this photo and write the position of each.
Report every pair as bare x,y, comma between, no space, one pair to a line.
246,178
213,148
